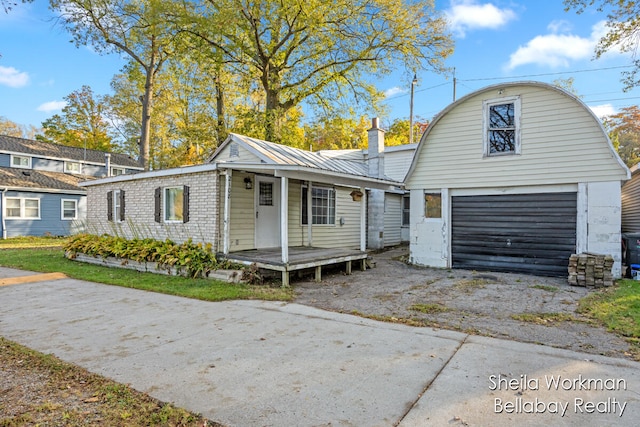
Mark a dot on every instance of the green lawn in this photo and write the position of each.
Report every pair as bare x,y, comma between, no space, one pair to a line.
44,259
618,308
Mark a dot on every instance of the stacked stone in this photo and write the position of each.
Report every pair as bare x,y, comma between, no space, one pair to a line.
590,270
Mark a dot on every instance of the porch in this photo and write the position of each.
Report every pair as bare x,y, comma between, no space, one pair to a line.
300,258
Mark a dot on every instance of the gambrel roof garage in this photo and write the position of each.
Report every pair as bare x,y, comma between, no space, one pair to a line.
515,177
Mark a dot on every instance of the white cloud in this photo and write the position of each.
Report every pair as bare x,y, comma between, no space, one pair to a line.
603,110
52,106
394,91
556,50
467,15
11,77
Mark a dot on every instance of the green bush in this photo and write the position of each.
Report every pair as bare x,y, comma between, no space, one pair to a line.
196,259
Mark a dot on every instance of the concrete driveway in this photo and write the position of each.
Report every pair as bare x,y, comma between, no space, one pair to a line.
255,363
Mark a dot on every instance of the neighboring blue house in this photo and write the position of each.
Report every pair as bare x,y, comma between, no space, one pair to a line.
39,187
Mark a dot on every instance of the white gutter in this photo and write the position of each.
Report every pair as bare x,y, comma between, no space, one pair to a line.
152,174
305,173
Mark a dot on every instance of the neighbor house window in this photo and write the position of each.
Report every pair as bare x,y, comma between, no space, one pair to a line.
72,167
323,206
69,209
174,202
115,205
22,208
433,205
502,126
117,171
21,161
406,204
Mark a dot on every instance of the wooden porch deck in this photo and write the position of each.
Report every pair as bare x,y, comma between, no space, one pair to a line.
300,257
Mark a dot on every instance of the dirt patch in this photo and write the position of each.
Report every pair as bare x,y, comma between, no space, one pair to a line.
519,307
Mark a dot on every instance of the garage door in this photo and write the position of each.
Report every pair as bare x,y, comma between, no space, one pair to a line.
524,233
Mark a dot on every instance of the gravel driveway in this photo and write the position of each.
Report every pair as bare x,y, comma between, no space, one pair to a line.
479,303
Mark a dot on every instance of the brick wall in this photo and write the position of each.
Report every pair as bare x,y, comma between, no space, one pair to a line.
140,206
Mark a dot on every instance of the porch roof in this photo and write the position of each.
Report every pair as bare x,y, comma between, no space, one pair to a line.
284,161
306,173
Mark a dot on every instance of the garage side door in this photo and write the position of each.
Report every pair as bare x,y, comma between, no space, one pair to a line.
524,233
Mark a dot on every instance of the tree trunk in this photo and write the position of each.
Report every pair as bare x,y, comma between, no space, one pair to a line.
221,128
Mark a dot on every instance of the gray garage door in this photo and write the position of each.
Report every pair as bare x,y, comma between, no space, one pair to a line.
523,233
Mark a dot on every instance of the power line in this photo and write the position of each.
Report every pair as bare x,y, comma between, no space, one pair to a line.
547,74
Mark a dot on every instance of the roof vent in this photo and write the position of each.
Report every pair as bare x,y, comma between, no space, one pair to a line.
26,173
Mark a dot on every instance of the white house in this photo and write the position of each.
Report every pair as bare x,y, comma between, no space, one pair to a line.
515,177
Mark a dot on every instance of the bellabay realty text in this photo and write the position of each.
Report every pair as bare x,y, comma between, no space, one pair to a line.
553,383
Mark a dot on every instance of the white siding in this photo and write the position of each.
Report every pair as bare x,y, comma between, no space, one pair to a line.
631,204
244,155
392,219
561,143
396,163
242,213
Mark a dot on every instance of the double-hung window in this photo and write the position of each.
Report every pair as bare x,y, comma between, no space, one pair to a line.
20,161
323,206
72,167
116,205
22,208
172,204
69,209
501,126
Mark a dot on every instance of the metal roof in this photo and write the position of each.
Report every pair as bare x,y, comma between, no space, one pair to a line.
278,154
11,144
25,179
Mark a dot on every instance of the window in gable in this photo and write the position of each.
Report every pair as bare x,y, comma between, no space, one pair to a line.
20,161
502,126
72,167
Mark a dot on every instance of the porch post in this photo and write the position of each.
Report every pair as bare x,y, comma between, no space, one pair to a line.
227,212
309,214
284,218
363,220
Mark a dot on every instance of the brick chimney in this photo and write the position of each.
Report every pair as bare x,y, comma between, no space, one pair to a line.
376,149
375,211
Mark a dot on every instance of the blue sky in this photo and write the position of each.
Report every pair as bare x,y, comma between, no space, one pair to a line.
496,41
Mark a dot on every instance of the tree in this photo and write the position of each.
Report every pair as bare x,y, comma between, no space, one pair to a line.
623,32
7,5
136,28
317,51
398,132
83,122
7,127
624,132
337,133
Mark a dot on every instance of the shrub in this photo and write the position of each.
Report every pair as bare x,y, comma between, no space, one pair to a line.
196,259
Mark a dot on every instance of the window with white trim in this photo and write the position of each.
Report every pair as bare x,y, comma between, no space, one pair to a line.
117,171
501,126
22,208
173,204
323,206
20,161
69,209
72,167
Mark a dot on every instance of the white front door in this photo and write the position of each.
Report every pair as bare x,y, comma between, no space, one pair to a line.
267,212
